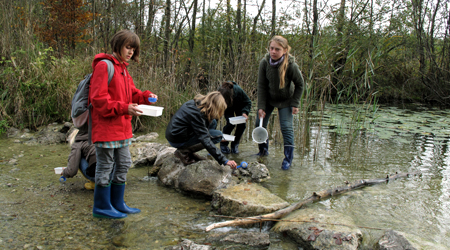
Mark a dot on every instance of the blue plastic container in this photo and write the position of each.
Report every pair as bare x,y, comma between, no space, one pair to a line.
243,165
152,99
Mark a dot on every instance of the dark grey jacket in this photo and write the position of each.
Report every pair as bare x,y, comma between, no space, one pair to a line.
188,122
241,102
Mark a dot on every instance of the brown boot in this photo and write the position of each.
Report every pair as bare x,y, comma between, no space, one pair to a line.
195,148
196,157
183,155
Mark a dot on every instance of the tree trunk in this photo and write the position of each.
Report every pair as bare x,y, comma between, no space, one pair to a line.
230,41
191,43
255,20
315,29
340,59
239,26
166,32
151,18
274,16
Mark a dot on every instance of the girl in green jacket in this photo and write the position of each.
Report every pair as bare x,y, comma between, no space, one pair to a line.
280,85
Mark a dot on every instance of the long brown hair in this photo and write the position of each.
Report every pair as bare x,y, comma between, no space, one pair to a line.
283,67
126,38
227,92
213,105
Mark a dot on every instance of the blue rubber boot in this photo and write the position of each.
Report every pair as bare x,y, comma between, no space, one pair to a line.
263,149
224,148
289,156
102,204
117,193
234,148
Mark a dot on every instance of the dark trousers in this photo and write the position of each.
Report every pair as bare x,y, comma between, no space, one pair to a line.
228,128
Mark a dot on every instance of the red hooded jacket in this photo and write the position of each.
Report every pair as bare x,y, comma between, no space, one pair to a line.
110,119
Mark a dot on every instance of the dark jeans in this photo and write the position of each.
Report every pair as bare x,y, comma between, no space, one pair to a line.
228,128
86,171
286,123
216,137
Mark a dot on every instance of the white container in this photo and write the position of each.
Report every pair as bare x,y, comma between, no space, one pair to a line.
260,134
150,110
237,120
228,137
59,170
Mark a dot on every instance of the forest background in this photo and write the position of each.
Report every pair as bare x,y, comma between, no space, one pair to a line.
349,51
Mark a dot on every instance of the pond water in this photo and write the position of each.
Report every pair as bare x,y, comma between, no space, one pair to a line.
39,212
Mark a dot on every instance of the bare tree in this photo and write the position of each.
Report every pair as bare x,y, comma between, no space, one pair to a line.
274,16
255,20
166,32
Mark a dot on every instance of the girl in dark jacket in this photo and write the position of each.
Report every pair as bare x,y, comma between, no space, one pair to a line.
192,128
280,85
238,104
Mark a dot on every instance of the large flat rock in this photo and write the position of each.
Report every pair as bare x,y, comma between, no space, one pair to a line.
246,199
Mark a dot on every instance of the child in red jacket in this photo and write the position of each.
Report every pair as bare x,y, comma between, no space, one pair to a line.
113,106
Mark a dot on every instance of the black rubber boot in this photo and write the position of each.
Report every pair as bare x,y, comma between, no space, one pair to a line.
263,148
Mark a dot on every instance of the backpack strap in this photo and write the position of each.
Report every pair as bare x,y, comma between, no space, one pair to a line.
110,76
110,69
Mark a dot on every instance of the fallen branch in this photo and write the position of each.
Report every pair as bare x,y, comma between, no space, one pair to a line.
304,221
314,197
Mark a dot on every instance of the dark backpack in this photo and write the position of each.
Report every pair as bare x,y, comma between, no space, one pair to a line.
80,106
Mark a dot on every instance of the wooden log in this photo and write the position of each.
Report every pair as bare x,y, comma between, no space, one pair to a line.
314,197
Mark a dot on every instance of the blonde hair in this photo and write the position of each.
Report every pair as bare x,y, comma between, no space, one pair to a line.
71,137
283,67
213,105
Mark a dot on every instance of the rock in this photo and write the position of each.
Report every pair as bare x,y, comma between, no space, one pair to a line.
165,156
321,229
255,171
66,127
188,245
12,132
48,135
145,154
393,240
202,177
246,200
148,137
170,168
254,239
12,161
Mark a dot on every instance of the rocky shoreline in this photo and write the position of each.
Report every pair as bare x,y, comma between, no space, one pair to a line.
233,193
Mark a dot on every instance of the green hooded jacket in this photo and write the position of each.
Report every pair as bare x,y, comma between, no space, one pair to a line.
269,85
